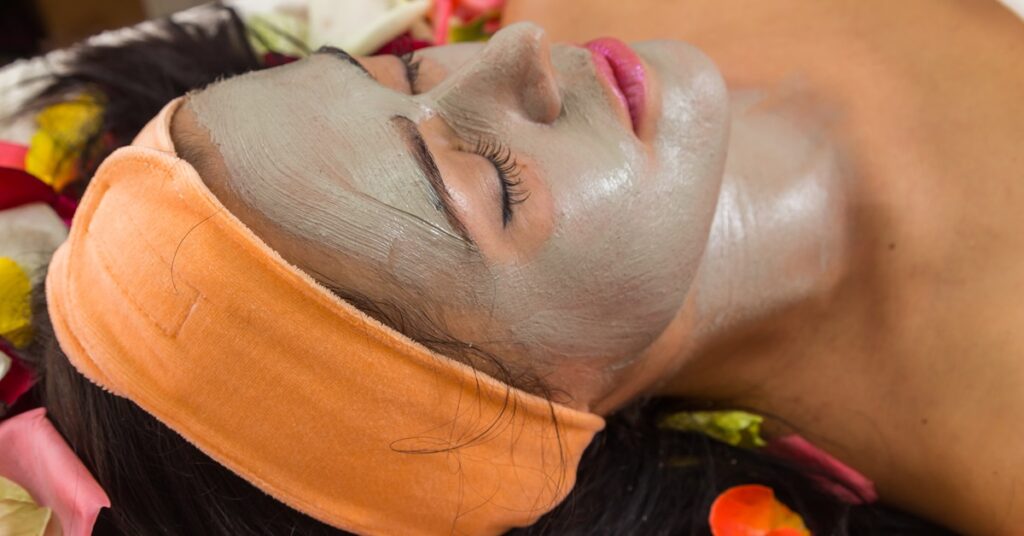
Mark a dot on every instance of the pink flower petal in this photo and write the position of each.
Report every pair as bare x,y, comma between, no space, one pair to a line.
37,458
843,481
442,18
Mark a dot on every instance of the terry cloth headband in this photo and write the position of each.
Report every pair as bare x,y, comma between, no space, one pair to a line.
162,296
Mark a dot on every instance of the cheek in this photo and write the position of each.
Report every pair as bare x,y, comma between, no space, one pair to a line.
478,198
623,253
604,284
594,176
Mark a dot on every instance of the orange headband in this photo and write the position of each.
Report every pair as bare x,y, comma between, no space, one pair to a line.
162,296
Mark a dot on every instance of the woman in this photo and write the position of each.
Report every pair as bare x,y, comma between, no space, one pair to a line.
576,221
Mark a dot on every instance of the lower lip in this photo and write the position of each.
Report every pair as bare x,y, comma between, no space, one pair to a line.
623,68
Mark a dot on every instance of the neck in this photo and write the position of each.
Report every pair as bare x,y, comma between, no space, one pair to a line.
777,243
779,229
791,318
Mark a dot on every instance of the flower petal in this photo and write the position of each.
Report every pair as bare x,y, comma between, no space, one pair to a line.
753,510
736,428
64,131
19,514
15,309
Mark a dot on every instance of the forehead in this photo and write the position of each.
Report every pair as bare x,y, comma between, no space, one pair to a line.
326,92
320,126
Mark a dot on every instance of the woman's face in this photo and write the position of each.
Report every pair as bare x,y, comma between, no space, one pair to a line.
501,192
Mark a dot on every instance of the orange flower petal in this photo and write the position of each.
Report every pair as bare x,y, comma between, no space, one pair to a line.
753,510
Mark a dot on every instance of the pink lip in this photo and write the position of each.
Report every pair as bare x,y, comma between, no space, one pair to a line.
625,72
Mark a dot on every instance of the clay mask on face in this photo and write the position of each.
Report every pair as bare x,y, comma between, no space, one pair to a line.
591,264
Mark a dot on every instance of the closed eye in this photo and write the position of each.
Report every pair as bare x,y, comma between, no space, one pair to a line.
412,70
425,160
508,170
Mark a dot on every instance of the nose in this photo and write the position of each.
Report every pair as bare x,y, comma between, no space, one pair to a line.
513,71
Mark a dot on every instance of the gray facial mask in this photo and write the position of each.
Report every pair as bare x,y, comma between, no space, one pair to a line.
312,150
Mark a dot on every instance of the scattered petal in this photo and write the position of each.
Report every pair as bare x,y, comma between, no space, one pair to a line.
5,365
753,510
64,131
401,45
38,458
17,381
482,6
844,482
736,428
281,35
29,235
474,30
12,155
15,308
442,15
363,26
19,514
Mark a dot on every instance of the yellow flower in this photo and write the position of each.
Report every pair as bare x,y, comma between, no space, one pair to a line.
737,428
15,308
63,131
19,514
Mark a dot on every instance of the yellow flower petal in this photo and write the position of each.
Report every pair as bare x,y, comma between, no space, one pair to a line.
737,428
15,306
19,514
63,131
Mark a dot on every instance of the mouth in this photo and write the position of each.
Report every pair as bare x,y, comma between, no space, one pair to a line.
625,73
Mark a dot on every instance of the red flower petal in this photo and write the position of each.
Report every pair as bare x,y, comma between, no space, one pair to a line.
442,19
18,188
17,381
12,155
401,45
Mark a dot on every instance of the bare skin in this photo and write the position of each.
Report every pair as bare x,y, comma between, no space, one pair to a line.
909,366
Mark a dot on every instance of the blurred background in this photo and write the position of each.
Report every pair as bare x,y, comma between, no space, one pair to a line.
30,27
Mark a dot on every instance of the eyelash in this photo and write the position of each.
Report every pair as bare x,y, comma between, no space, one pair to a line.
412,69
499,155
508,174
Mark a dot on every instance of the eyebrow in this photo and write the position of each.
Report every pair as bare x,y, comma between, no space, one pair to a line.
340,54
417,147
425,160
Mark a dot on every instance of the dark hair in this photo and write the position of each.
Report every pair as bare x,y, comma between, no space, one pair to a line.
636,477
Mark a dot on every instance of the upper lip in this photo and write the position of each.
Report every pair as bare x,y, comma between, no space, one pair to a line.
603,70
614,60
